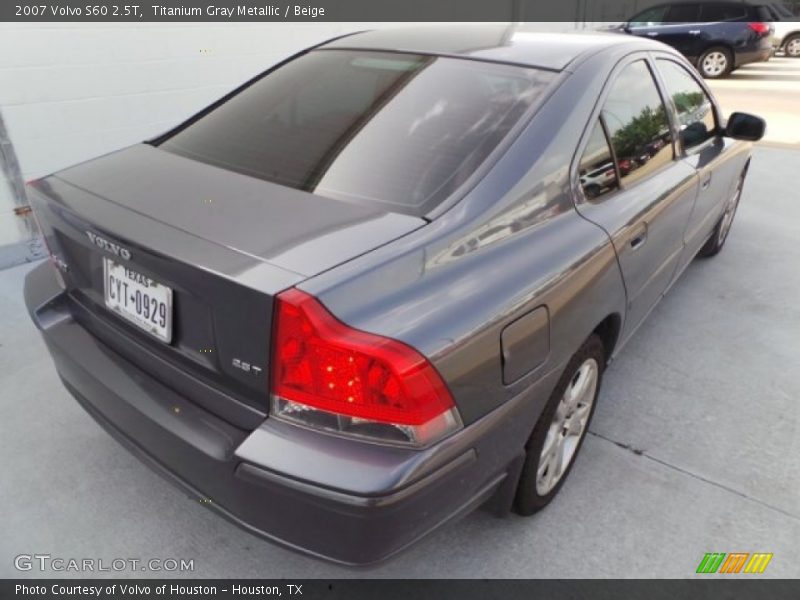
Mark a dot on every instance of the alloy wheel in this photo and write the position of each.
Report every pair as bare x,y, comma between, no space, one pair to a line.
568,426
793,47
715,63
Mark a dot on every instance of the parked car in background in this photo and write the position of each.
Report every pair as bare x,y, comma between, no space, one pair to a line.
372,288
626,165
598,179
786,26
716,37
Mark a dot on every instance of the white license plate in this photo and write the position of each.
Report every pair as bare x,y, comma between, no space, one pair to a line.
137,298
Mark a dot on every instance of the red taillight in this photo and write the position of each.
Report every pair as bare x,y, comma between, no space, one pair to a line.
759,28
319,362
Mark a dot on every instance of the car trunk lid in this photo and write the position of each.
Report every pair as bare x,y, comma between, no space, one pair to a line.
223,243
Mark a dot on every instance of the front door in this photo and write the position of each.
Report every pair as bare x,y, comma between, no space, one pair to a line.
646,207
703,149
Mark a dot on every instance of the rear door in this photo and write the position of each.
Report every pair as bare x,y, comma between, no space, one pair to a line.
682,30
646,208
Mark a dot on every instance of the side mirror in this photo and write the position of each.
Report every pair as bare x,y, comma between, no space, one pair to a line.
742,126
694,134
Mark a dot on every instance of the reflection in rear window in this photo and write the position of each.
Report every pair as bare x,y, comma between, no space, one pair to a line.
400,130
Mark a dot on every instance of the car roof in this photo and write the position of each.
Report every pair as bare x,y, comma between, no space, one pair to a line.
514,44
745,3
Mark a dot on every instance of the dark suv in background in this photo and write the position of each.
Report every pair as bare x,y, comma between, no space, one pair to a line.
716,37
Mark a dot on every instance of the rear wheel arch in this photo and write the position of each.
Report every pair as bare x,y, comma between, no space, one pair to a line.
794,35
696,59
529,498
725,46
608,331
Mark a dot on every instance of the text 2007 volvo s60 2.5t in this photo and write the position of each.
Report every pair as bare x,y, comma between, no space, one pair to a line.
377,286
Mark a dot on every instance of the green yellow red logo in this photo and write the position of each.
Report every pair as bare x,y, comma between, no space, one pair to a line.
735,562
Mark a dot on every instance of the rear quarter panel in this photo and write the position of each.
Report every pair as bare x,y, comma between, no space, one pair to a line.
735,35
513,244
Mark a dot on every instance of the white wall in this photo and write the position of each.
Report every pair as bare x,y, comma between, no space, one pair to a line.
70,92
10,227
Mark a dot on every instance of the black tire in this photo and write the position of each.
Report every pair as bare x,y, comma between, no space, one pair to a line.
719,236
715,63
528,499
791,46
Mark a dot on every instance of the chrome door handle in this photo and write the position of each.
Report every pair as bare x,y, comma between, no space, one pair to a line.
694,32
706,183
652,33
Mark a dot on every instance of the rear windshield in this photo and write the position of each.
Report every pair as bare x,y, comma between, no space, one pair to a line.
400,130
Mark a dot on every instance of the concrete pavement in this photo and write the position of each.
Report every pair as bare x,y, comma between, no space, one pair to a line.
695,446
770,89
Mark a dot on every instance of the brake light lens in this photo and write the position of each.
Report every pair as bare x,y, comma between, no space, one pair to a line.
328,375
759,28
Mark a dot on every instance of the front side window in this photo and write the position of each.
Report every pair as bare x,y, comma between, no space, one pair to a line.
683,13
596,170
695,110
399,130
637,123
649,18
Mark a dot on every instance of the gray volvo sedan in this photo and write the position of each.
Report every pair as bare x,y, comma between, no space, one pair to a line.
377,286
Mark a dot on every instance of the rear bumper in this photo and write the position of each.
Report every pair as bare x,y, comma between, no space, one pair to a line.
761,53
338,499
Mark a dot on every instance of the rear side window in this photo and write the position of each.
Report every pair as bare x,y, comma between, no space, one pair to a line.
717,11
596,170
695,110
399,130
637,123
